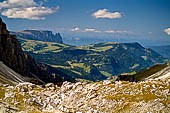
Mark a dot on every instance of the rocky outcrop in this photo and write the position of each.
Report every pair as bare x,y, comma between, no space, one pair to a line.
47,36
11,54
11,51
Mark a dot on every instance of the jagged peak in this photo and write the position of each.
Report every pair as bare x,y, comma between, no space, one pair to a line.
41,35
34,30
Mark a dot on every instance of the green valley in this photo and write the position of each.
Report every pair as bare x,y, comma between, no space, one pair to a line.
93,62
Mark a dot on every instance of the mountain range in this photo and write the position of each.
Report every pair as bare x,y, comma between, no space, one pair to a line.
93,62
25,84
39,35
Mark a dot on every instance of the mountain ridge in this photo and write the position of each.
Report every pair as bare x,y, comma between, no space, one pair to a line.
42,35
109,59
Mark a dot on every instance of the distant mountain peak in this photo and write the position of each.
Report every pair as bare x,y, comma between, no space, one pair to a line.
41,35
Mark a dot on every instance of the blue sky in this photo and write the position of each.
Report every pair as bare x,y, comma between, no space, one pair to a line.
145,21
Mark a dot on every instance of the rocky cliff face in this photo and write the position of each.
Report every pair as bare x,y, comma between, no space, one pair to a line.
11,54
39,35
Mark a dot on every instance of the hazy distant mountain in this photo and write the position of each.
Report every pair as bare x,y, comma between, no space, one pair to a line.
39,35
163,50
93,62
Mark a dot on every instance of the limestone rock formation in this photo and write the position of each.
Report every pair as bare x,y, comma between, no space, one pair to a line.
47,36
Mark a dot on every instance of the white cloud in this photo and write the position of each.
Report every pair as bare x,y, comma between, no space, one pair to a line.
91,30
85,30
118,31
104,13
167,31
27,9
32,13
17,3
75,29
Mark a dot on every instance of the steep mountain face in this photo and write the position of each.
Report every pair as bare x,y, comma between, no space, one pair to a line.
39,35
163,50
11,51
93,62
11,55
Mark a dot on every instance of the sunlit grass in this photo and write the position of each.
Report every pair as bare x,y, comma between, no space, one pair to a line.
106,73
144,57
41,46
134,66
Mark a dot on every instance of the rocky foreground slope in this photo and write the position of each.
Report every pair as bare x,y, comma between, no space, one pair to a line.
150,96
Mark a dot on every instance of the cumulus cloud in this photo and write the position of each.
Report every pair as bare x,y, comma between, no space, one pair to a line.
27,9
117,31
104,13
75,29
91,30
16,3
32,13
167,31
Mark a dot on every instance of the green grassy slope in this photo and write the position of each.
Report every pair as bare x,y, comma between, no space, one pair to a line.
92,62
